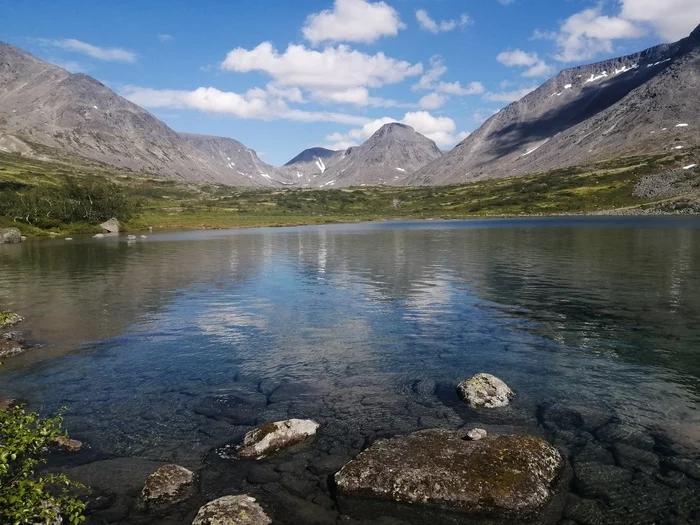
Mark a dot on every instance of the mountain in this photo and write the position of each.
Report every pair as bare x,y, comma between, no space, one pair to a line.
390,156
75,114
310,164
641,103
234,155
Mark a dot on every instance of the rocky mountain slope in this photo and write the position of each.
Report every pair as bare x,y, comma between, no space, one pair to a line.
309,164
390,156
75,114
647,102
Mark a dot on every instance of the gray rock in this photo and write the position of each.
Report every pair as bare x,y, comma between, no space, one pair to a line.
168,485
594,480
69,445
615,433
485,391
272,437
9,319
506,476
475,434
111,226
10,235
99,236
232,510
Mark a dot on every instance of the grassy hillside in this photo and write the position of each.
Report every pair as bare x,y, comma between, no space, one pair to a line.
605,186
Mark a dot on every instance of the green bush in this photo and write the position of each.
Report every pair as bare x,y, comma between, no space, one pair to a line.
71,202
25,497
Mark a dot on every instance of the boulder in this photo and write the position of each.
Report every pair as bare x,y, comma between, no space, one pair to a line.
168,485
98,236
485,391
10,235
271,437
232,510
8,318
111,226
507,476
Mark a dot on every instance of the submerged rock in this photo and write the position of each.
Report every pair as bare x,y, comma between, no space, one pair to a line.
10,235
271,437
485,391
506,476
69,445
111,226
168,485
475,434
98,236
6,404
232,510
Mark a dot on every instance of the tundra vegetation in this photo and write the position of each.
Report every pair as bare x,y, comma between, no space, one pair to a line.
37,196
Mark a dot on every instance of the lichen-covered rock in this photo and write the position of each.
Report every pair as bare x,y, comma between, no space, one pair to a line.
271,437
10,235
485,391
111,226
168,485
506,476
8,318
232,510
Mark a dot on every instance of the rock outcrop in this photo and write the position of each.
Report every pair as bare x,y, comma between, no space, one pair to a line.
272,437
168,485
485,391
505,476
232,510
10,235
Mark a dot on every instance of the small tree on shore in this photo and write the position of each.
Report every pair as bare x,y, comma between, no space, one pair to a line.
27,498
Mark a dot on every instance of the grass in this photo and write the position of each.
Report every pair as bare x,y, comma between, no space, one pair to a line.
164,203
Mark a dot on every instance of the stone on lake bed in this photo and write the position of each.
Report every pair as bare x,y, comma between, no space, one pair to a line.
271,437
485,391
475,434
507,476
232,510
168,485
98,236
67,444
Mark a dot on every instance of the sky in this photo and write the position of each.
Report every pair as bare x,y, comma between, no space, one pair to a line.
282,76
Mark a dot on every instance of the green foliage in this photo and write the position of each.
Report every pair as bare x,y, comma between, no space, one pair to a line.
72,201
25,497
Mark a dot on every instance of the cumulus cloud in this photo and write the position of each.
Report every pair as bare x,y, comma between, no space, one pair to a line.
432,101
508,96
536,67
428,24
352,21
455,88
586,34
431,76
334,68
671,19
358,96
256,103
440,129
106,54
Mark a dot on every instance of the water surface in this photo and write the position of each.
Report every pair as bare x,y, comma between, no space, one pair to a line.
168,348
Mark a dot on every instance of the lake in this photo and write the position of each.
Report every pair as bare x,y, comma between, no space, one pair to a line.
165,349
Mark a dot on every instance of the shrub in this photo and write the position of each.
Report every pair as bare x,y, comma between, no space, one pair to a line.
25,497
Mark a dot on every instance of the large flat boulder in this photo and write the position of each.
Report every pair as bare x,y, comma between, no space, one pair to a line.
111,226
505,476
10,235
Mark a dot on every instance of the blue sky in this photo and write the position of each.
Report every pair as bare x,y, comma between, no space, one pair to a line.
281,76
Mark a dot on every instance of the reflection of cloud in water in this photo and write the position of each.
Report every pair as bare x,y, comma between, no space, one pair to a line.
232,323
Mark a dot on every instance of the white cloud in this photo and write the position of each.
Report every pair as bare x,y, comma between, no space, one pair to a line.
586,34
440,129
352,21
455,88
107,54
334,68
432,101
358,96
164,37
433,26
671,19
536,67
254,104
508,96
430,77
